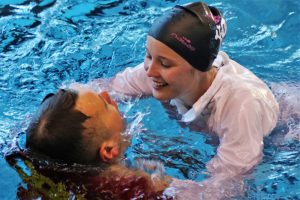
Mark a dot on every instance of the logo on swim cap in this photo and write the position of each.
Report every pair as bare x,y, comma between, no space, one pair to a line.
183,40
220,30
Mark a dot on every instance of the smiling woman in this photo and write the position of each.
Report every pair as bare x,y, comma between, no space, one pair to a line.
210,91
176,78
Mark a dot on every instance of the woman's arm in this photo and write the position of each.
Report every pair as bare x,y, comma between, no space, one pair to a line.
131,81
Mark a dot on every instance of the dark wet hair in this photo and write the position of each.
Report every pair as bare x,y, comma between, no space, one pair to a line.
56,130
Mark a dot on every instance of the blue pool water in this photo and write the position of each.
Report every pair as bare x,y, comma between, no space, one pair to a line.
44,44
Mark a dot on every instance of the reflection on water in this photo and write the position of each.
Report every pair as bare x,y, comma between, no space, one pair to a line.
44,44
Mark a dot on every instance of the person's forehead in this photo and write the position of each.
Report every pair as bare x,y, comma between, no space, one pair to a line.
161,50
80,88
152,42
88,102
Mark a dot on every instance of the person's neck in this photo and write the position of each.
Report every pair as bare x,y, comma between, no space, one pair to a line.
200,89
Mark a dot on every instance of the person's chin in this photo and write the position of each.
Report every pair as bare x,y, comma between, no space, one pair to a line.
161,94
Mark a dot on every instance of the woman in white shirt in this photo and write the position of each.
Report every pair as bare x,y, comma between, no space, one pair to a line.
183,65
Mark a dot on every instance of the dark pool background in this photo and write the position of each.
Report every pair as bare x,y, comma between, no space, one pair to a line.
46,43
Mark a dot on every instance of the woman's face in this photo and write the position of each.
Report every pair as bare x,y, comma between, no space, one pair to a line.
172,76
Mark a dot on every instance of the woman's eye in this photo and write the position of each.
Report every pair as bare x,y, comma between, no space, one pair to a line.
148,56
164,64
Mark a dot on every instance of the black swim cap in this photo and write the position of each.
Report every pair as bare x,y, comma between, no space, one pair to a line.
195,31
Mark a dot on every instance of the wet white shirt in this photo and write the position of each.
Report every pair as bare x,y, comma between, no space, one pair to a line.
238,107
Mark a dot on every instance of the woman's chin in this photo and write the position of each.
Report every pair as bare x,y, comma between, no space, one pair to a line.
161,95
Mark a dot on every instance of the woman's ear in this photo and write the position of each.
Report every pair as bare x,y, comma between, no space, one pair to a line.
108,151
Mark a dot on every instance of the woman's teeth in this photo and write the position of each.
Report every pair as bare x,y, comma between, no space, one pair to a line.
159,84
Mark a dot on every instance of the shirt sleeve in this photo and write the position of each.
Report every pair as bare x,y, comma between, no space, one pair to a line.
132,81
241,140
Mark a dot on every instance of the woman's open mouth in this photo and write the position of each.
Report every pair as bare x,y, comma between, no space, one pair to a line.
158,85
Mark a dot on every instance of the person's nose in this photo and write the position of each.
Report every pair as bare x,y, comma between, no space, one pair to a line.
151,69
108,99
106,96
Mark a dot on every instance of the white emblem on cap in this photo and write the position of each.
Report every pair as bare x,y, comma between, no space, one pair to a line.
221,30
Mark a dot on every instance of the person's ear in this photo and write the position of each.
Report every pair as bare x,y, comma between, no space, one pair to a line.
108,151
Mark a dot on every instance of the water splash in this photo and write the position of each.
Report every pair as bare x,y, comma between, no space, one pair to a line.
288,97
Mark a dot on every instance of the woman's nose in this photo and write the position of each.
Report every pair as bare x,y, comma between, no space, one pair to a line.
151,69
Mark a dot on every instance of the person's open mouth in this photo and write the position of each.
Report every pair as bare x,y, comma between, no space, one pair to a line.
158,85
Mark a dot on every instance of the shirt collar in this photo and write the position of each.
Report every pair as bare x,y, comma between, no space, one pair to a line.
189,115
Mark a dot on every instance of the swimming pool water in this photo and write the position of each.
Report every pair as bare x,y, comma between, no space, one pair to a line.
44,44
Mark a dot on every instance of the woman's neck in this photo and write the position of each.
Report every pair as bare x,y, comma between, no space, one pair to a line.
205,81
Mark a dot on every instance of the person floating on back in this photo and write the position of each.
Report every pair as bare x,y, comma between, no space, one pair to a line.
76,125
